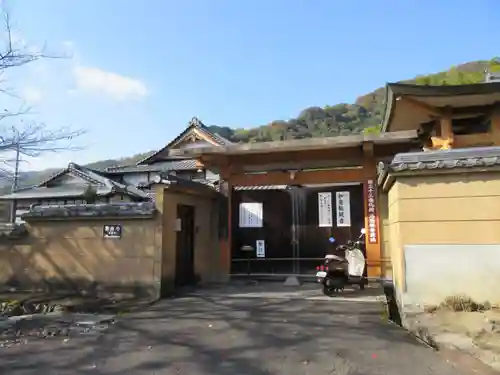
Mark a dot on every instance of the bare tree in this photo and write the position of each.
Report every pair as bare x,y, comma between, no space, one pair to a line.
25,138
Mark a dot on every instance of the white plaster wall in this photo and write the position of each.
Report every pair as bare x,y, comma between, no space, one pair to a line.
211,176
434,272
135,178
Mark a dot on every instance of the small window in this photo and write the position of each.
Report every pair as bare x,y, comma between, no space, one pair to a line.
471,125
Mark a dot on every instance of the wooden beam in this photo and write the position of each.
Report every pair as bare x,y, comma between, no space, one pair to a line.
267,158
421,105
199,164
299,177
368,149
446,138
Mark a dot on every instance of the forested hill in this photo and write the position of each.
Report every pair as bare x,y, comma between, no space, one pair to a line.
344,118
332,120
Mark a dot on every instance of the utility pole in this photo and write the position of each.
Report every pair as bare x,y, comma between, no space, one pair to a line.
15,183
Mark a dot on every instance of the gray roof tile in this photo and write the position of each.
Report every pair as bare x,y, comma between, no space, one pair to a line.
446,159
171,165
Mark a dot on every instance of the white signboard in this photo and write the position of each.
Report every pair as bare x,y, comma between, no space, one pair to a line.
372,212
260,247
343,211
251,214
325,210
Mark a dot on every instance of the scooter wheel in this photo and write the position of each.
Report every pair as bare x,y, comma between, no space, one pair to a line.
329,292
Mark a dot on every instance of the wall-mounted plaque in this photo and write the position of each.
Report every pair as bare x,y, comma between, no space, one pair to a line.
112,231
343,200
251,215
325,211
260,247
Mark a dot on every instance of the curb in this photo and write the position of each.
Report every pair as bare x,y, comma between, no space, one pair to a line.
423,334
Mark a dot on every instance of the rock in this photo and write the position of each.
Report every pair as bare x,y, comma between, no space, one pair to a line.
430,309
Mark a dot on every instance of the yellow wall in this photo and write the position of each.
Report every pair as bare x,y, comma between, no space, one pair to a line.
72,254
449,208
442,209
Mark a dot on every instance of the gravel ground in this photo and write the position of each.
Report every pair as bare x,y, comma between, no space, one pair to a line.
227,332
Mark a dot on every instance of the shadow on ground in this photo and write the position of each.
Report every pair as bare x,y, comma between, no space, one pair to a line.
213,333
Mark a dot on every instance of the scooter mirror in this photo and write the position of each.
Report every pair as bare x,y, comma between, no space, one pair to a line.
363,231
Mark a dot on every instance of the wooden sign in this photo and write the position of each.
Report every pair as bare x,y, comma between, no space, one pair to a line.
371,195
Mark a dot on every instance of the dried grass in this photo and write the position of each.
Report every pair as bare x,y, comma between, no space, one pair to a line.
463,303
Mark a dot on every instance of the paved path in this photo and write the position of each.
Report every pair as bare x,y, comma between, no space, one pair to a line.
228,333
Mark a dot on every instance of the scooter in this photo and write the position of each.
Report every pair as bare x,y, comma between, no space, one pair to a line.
344,267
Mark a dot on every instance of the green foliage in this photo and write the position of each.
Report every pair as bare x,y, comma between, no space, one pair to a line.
90,194
373,129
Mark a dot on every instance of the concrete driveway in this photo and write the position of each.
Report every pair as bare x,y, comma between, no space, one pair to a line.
239,331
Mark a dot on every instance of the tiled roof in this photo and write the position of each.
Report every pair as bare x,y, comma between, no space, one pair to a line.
104,186
171,165
54,192
446,159
120,210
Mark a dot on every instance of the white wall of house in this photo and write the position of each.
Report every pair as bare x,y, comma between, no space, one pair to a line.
138,178
211,176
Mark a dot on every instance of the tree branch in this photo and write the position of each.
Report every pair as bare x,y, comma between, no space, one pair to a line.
29,139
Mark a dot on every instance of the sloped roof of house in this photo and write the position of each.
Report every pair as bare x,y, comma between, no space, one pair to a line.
104,186
170,165
194,124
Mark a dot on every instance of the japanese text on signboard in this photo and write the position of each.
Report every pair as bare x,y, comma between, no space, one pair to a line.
325,211
112,231
343,209
372,212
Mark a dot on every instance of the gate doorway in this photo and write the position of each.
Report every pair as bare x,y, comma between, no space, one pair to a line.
184,260
295,241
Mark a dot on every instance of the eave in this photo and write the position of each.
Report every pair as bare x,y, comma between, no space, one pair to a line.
310,151
432,101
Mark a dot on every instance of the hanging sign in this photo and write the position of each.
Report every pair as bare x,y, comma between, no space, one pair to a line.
251,215
260,248
372,212
325,210
343,208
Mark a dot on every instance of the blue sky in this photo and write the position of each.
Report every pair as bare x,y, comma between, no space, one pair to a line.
141,69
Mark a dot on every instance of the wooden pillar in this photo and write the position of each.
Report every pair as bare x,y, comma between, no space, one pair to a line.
447,131
372,219
495,124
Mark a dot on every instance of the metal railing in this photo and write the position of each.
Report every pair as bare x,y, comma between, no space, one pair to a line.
275,266
284,267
